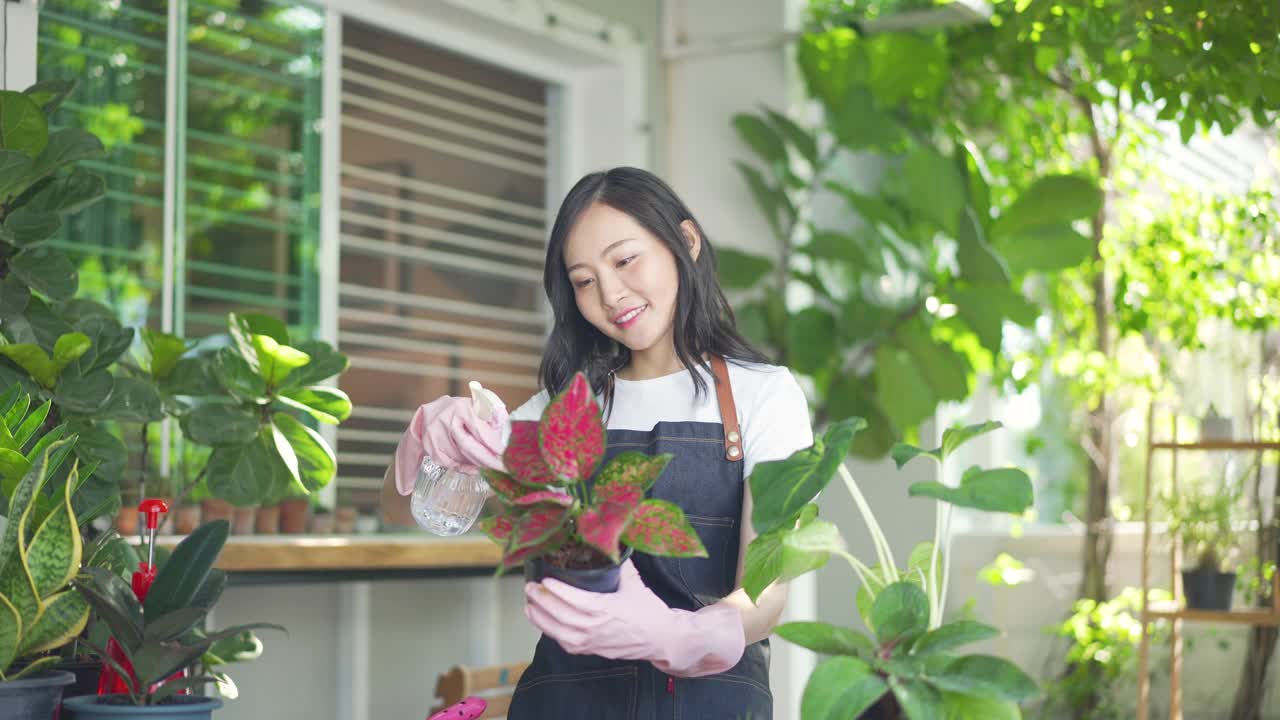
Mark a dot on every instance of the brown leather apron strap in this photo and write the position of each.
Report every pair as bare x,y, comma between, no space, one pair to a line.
728,410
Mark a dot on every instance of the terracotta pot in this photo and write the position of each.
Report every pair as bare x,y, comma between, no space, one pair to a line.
344,520
242,519
127,521
215,509
293,515
187,520
322,523
268,520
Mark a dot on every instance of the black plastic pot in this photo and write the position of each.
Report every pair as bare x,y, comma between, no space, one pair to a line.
1208,589
34,698
601,580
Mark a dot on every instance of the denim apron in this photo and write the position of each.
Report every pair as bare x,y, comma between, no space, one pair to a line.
708,487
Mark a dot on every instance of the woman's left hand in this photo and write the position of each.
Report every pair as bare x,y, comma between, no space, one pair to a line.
635,624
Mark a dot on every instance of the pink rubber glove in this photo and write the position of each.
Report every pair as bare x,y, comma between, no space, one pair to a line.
469,709
449,432
634,624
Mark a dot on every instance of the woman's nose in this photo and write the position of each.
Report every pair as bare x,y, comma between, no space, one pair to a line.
612,290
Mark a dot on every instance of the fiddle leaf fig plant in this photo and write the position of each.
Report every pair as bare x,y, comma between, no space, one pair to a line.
908,663
555,499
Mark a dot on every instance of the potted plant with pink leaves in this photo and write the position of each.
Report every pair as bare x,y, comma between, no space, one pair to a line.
561,514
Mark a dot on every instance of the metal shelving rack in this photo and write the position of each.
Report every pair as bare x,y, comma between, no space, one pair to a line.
1175,611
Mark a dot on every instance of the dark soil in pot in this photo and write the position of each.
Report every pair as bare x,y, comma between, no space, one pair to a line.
578,565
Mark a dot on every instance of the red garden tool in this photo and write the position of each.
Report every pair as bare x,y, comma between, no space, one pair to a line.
110,682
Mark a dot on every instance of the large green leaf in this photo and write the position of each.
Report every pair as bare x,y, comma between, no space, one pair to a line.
220,425
276,361
175,624
326,404
812,340
325,363
952,439
967,707
987,676
761,138
67,194
63,616
244,474
114,603
779,489
134,400
985,308
979,263
108,337
1051,200
797,137
827,639
54,552
952,635
22,125
848,397
859,124
1005,490
840,688
65,146
10,632
900,612
931,185
26,228
1045,248
260,324
897,377
180,578
316,462
769,200
193,376
768,559
238,377
34,360
164,349
14,166
86,394
46,271
49,94
740,270
918,700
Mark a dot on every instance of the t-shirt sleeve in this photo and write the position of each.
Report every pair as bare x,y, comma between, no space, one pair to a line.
530,410
777,423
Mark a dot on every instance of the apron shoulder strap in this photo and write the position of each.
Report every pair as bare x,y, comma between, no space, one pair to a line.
728,410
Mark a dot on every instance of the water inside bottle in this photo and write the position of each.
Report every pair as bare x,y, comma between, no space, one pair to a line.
447,502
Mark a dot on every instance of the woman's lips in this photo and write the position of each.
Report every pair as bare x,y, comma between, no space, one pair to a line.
628,318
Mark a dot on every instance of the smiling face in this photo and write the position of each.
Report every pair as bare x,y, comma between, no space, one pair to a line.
624,279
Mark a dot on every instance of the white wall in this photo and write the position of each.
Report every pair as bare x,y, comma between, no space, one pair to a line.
18,30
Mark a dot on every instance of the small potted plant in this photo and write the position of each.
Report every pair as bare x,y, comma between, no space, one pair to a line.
161,634
561,515
1201,523
40,552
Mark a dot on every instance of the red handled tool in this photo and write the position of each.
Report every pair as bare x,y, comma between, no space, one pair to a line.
110,682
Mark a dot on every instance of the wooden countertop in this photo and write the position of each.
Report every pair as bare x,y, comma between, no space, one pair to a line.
291,553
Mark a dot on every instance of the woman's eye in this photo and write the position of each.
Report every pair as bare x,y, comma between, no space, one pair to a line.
626,261
582,283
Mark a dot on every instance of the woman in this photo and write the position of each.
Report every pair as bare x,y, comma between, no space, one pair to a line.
631,278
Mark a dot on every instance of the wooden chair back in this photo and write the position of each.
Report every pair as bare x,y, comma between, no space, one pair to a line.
494,683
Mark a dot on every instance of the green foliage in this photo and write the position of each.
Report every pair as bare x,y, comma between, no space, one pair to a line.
909,651
165,639
40,552
1102,656
1201,520
247,395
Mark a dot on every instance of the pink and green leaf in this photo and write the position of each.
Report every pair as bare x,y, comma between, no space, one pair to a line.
497,527
503,485
601,526
515,558
571,434
628,496
660,528
523,457
537,524
633,468
557,497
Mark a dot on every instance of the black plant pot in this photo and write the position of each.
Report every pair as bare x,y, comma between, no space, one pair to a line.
87,673
1208,589
34,698
601,580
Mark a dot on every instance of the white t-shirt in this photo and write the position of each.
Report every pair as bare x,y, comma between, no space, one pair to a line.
773,414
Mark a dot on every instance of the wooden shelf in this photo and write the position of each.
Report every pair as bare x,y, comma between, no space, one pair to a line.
294,553
1217,445
1238,616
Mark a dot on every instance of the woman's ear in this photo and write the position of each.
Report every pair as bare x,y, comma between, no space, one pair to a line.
692,238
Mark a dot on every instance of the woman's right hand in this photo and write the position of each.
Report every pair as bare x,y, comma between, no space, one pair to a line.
449,431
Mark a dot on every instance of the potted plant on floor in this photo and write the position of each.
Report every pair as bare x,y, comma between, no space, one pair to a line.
561,515
1201,523
160,635
40,552
907,664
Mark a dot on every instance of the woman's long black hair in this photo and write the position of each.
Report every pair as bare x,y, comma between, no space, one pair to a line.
704,322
